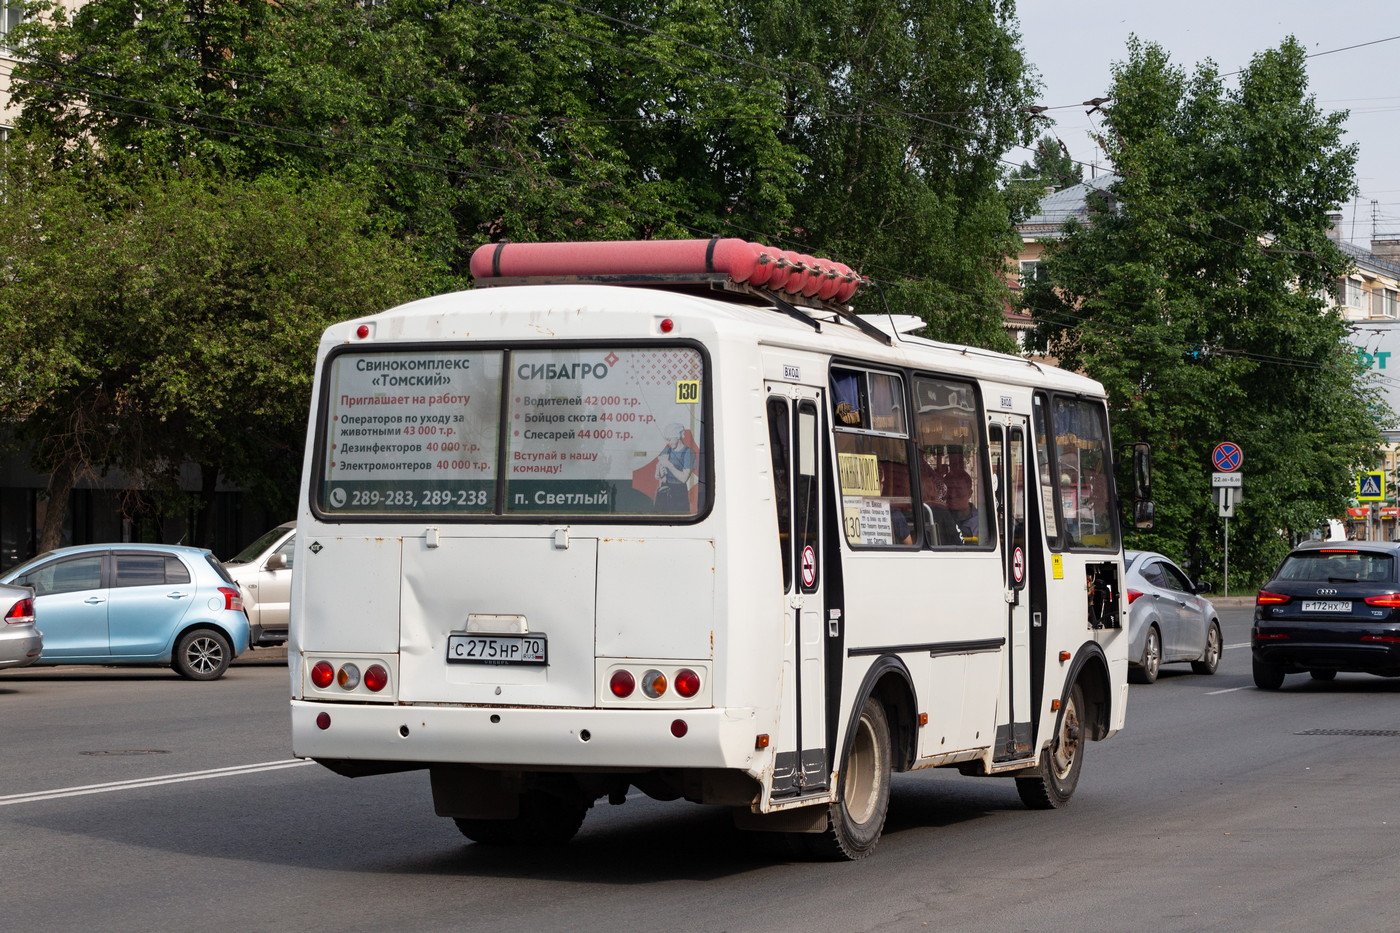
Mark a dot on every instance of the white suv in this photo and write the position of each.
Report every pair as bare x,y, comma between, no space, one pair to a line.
263,571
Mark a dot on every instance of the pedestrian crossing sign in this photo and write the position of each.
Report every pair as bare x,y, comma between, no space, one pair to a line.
1370,486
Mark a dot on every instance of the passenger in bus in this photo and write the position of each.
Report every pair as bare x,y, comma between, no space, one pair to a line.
942,528
960,504
674,467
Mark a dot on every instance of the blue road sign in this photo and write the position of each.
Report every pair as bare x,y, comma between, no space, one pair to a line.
1370,486
1227,457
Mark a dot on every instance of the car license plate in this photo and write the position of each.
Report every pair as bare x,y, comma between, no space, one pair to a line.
1327,605
496,649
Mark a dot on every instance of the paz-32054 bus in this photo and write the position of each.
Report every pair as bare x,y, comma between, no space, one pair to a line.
668,516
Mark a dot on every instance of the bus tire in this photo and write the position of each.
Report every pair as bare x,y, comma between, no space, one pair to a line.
544,820
857,818
1060,762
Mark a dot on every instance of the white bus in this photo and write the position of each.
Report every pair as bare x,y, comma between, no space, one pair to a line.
667,516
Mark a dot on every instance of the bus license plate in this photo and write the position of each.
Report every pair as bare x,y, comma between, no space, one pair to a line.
1327,605
496,649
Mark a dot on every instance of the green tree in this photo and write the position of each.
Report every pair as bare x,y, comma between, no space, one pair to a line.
1194,295
1050,168
171,318
865,130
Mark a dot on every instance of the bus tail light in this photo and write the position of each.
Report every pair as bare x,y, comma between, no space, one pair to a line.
348,676
622,684
376,677
687,683
322,674
653,683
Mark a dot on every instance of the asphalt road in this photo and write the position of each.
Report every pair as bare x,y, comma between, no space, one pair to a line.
134,801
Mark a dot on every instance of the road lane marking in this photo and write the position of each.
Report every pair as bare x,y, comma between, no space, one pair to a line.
157,781
1243,644
1216,693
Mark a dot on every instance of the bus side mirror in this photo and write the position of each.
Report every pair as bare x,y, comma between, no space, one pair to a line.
1144,512
1142,471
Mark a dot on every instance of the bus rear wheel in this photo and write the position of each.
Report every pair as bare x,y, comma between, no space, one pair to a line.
857,818
1060,763
544,820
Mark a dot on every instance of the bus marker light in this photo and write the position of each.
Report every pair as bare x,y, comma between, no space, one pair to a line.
1054,705
376,677
761,742
667,325
622,684
348,677
323,720
322,675
653,683
923,719
679,728
687,683
1064,656
362,331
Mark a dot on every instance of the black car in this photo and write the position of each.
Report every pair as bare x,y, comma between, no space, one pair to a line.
1331,606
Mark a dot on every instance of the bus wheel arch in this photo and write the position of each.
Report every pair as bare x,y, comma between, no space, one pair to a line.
879,740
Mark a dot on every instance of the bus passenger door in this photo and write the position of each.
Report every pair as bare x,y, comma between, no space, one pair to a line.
794,429
1015,736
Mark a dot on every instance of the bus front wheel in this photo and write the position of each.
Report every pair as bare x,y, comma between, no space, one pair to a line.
1060,763
857,818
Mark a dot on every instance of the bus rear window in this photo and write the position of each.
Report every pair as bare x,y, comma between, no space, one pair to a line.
577,431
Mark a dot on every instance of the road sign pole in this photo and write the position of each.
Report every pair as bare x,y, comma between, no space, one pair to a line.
1227,555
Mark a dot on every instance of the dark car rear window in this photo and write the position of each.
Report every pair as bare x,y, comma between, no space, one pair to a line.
1338,567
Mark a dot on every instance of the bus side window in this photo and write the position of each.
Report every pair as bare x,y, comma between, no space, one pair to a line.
948,435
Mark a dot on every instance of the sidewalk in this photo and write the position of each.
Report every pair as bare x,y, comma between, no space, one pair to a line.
264,656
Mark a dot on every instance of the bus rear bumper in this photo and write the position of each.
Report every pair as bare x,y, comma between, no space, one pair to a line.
528,737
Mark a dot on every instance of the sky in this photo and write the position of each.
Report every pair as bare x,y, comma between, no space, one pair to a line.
1073,43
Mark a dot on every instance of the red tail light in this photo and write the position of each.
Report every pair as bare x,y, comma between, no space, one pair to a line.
322,674
376,677
622,684
1133,595
233,599
1389,601
21,612
687,683
1385,638
1265,598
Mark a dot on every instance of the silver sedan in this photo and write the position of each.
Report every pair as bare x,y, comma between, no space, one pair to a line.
20,641
1168,620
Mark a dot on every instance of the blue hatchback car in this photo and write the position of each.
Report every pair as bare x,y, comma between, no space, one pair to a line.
136,604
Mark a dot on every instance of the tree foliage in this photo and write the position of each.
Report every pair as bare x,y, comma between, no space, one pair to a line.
1051,168
1198,295
861,129
170,318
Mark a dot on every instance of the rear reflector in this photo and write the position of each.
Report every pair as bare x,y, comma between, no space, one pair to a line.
1270,636
1384,638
